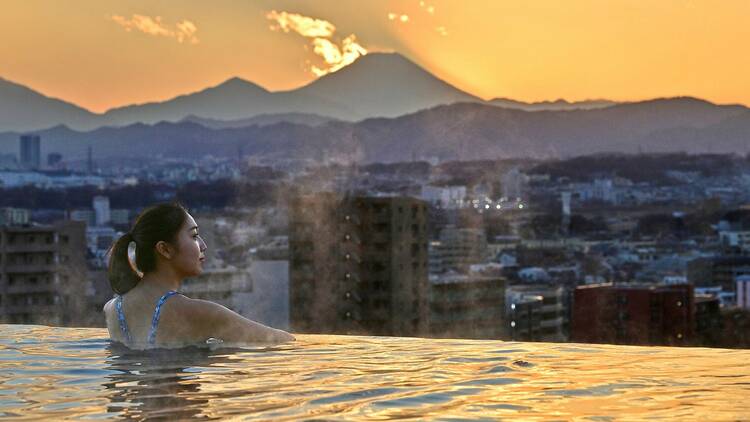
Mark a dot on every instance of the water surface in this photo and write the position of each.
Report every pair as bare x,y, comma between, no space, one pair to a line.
75,373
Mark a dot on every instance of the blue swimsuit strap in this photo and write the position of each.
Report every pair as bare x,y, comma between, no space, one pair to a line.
155,319
121,318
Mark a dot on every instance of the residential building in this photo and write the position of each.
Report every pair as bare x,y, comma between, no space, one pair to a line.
358,265
43,274
633,314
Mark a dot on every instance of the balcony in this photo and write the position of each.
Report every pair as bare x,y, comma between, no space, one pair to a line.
551,323
22,287
30,247
30,268
554,307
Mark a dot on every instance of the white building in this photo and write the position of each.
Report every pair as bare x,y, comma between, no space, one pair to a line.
448,197
11,179
101,211
513,184
743,291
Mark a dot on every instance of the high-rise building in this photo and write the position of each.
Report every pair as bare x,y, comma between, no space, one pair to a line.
101,210
633,314
43,275
89,160
31,154
358,265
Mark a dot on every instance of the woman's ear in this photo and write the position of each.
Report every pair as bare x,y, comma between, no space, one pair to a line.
164,249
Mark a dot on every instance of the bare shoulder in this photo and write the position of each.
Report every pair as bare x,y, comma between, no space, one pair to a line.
209,319
197,309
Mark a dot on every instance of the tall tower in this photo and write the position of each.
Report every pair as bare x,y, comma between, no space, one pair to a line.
565,198
358,265
30,152
90,161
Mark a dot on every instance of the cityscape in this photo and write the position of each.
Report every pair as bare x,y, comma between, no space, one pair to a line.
641,249
418,210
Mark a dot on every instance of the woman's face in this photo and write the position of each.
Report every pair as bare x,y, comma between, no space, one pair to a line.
190,255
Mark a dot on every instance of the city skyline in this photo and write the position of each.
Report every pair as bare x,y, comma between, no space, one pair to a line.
101,55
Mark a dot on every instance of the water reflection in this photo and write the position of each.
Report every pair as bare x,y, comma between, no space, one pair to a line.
159,383
49,373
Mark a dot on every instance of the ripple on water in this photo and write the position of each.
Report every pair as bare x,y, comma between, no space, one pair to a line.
356,395
499,369
57,373
427,399
462,359
491,381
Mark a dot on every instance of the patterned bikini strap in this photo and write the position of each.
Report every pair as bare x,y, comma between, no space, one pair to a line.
121,319
155,319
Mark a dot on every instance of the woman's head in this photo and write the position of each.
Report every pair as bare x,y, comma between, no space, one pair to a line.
165,234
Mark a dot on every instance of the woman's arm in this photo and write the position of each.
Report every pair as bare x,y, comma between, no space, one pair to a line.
208,319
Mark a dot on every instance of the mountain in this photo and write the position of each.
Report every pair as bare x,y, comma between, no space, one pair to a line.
461,131
308,119
231,100
377,84
23,109
385,85
551,105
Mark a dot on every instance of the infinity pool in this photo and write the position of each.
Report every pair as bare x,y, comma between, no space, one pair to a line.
75,373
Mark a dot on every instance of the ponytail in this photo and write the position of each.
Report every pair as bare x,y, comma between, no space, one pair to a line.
121,275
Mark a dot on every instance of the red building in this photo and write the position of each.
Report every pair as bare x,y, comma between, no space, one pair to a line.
633,314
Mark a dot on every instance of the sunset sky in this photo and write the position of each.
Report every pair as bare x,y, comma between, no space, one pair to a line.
101,54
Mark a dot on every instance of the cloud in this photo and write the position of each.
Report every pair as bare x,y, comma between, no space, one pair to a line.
395,16
398,17
303,25
184,30
335,55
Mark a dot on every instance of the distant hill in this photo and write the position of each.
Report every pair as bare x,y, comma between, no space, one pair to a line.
551,105
24,109
261,120
376,85
459,131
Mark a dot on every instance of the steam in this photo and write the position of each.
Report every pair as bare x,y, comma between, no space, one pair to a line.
335,55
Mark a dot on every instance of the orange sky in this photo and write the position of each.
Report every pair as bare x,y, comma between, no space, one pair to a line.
101,54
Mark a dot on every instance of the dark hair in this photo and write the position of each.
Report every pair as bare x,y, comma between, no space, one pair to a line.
160,222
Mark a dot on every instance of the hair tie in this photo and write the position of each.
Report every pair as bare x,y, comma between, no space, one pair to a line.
132,258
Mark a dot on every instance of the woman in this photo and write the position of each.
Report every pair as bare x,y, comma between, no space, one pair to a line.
148,310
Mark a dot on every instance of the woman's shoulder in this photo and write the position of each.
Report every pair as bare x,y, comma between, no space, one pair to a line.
198,310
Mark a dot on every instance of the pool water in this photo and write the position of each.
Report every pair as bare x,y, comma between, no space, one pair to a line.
76,373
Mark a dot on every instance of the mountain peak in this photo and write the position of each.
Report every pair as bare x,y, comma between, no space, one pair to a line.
238,83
